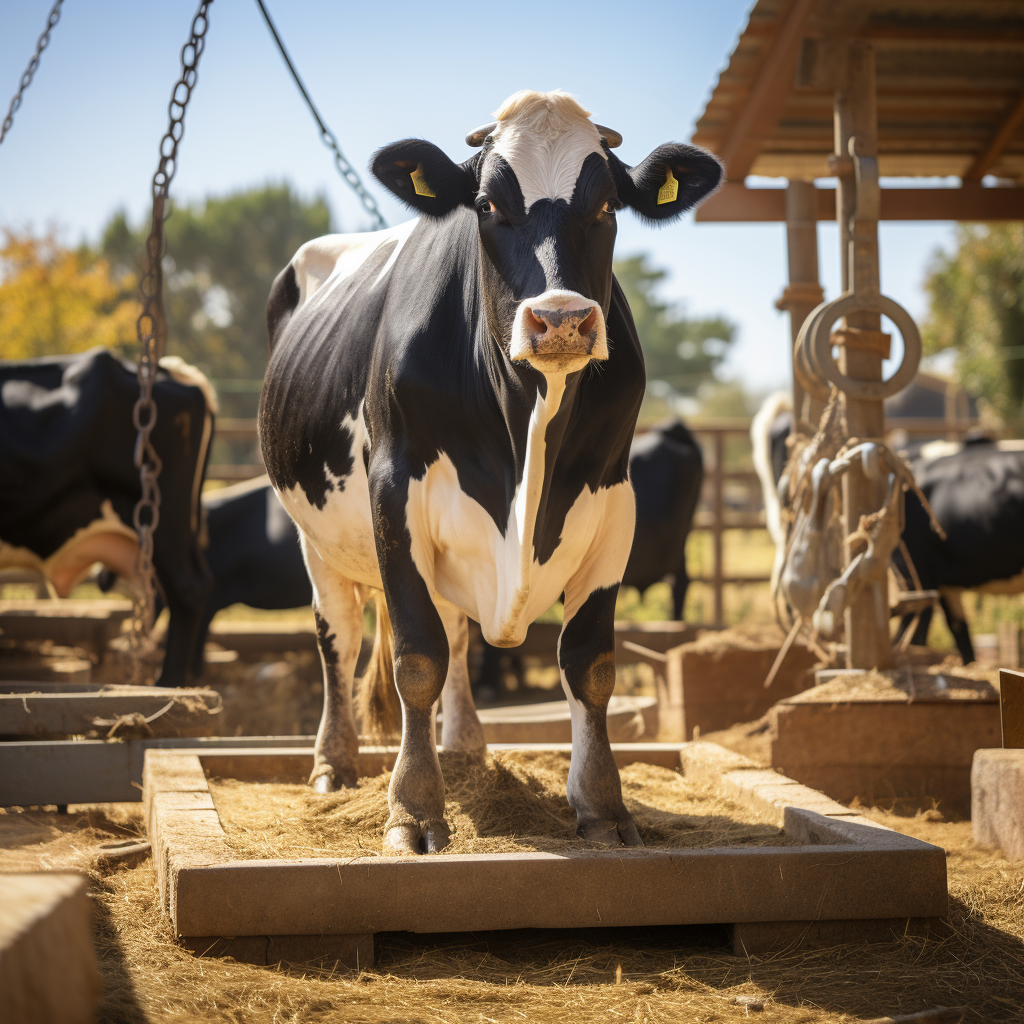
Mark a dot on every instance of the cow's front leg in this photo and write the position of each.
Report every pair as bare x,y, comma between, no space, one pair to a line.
586,660
416,793
338,609
461,728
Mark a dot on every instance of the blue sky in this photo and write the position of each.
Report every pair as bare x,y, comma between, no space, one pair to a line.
85,140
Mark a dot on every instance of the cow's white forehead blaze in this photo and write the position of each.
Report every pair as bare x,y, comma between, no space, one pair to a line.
545,137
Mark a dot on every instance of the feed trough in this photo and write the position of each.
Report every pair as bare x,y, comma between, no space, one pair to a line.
837,876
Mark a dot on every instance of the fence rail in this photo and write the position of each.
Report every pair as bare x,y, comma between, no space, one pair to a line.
713,518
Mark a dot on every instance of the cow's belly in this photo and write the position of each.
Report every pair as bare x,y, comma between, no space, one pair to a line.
341,532
460,551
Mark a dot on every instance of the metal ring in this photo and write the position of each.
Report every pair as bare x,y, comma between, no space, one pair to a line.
818,344
803,369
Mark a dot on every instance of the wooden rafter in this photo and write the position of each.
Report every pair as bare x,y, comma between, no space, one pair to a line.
760,113
998,143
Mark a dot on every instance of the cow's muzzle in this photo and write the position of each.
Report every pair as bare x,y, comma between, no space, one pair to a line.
559,331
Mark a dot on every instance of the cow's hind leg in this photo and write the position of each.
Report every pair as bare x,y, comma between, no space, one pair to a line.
338,609
952,604
586,659
461,728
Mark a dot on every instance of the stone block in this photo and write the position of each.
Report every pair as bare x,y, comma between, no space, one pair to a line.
48,971
997,800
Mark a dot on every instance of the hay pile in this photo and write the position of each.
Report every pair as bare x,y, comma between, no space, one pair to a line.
667,975
513,802
903,687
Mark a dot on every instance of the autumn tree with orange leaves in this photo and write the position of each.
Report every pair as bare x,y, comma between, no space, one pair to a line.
55,300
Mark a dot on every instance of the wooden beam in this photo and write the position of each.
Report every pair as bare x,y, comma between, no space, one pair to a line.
768,93
737,204
998,143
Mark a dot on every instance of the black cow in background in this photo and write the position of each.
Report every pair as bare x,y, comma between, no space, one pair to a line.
666,468
253,553
68,482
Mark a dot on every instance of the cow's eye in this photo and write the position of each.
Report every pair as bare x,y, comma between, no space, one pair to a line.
486,206
610,206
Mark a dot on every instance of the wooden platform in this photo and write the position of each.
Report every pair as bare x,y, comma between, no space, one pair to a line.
848,877
69,623
31,709
629,719
908,743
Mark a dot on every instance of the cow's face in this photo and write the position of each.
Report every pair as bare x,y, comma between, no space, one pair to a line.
545,189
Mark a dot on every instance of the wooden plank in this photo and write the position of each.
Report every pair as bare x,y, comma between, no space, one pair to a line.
769,90
737,204
167,711
1011,708
996,146
69,623
208,892
257,638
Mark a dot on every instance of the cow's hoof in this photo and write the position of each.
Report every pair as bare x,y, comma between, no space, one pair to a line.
610,833
410,838
326,780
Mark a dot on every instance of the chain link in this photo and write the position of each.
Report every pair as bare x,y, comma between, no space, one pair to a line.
152,332
26,78
345,169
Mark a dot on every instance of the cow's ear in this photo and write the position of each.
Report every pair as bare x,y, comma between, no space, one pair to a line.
424,177
672,180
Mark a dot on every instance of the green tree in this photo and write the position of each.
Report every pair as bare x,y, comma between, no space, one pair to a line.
680,351
222,257
977,308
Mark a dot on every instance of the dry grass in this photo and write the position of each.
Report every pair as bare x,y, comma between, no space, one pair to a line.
512,803
668,975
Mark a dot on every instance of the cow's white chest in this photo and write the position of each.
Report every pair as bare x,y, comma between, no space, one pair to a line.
493,576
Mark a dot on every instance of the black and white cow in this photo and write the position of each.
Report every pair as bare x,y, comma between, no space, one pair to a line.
68,482
253,552
447,415
976,492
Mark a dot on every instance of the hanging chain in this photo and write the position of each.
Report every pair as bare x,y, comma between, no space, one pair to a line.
26,78
152,333
345,169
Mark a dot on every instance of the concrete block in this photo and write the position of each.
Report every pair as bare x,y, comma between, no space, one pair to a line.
48,971
997,800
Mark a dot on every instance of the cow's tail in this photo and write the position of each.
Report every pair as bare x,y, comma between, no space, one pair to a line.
380,710
761,442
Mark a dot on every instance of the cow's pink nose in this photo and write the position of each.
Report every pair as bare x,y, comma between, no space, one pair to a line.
549,323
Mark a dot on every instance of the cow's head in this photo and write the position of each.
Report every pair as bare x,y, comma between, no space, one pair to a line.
546,187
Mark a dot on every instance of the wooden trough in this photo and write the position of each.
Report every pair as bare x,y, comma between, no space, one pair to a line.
847,879
717,680
912,737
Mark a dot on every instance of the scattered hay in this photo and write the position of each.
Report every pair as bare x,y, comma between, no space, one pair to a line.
514,802
739,638
667,975
902,687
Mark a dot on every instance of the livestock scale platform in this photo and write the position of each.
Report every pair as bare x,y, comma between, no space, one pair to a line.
845,878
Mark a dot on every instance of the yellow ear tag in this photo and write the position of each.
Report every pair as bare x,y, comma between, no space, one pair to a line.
669,192
419,183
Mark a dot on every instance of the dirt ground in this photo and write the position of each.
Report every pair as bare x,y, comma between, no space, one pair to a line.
636,975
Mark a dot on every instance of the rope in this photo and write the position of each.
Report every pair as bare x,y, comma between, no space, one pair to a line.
345,169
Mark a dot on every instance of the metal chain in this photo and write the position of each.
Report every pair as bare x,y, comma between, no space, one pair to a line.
152,332
26,78
345,169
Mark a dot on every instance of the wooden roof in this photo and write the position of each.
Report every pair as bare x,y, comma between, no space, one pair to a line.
950,84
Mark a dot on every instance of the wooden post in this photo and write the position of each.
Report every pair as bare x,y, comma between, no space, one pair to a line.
863,347
804,291
718,569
